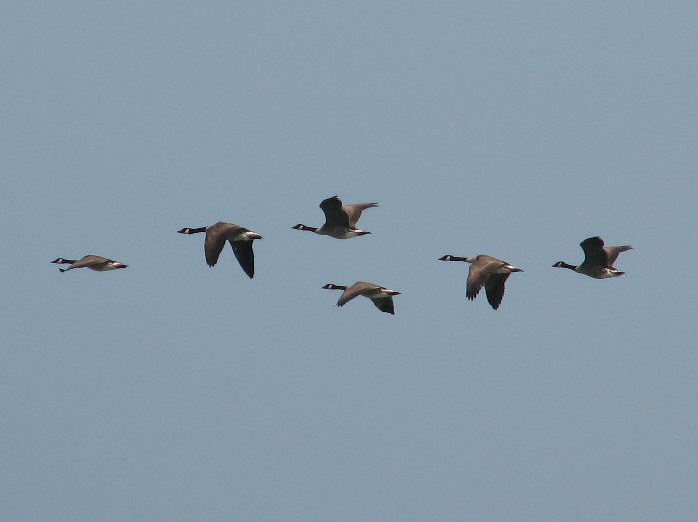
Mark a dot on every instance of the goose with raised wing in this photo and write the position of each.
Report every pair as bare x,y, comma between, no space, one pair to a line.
340,220
486,271
97,263
598,259
240,238
381,296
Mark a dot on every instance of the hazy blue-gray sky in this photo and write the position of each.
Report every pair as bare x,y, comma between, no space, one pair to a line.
169,391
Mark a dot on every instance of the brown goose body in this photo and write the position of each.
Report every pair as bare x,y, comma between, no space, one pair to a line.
381,296
598,259
486,271
97,263
340,220
240,239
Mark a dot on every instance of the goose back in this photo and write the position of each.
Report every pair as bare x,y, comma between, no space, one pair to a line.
240,239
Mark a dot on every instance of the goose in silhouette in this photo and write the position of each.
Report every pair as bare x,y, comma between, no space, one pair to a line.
239,237
598,259
98,263
486,271
340,221
381,296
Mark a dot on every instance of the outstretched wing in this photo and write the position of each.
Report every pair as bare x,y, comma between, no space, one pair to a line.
88,261
494,288
613,251
594,253
384,304
358,288
334,215
354,211
349,294
480,271
245,255
214,242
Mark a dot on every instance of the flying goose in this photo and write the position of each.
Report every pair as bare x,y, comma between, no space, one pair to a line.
340,221
98,263
381,296
598,259
239,237
486,271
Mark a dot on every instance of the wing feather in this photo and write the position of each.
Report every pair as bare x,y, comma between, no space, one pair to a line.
334,215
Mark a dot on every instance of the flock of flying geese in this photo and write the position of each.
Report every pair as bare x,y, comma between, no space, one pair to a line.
341,223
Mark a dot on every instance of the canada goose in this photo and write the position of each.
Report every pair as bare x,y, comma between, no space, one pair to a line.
98,263
239,237
340,221
381,296
486,271
598,259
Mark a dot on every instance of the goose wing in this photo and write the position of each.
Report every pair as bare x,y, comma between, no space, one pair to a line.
594,252
384,304
357,289
613,251
480,271
216,236
494,289
334,214
354,211
89,260
245,255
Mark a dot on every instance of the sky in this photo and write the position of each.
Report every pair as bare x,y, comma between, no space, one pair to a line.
171,391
